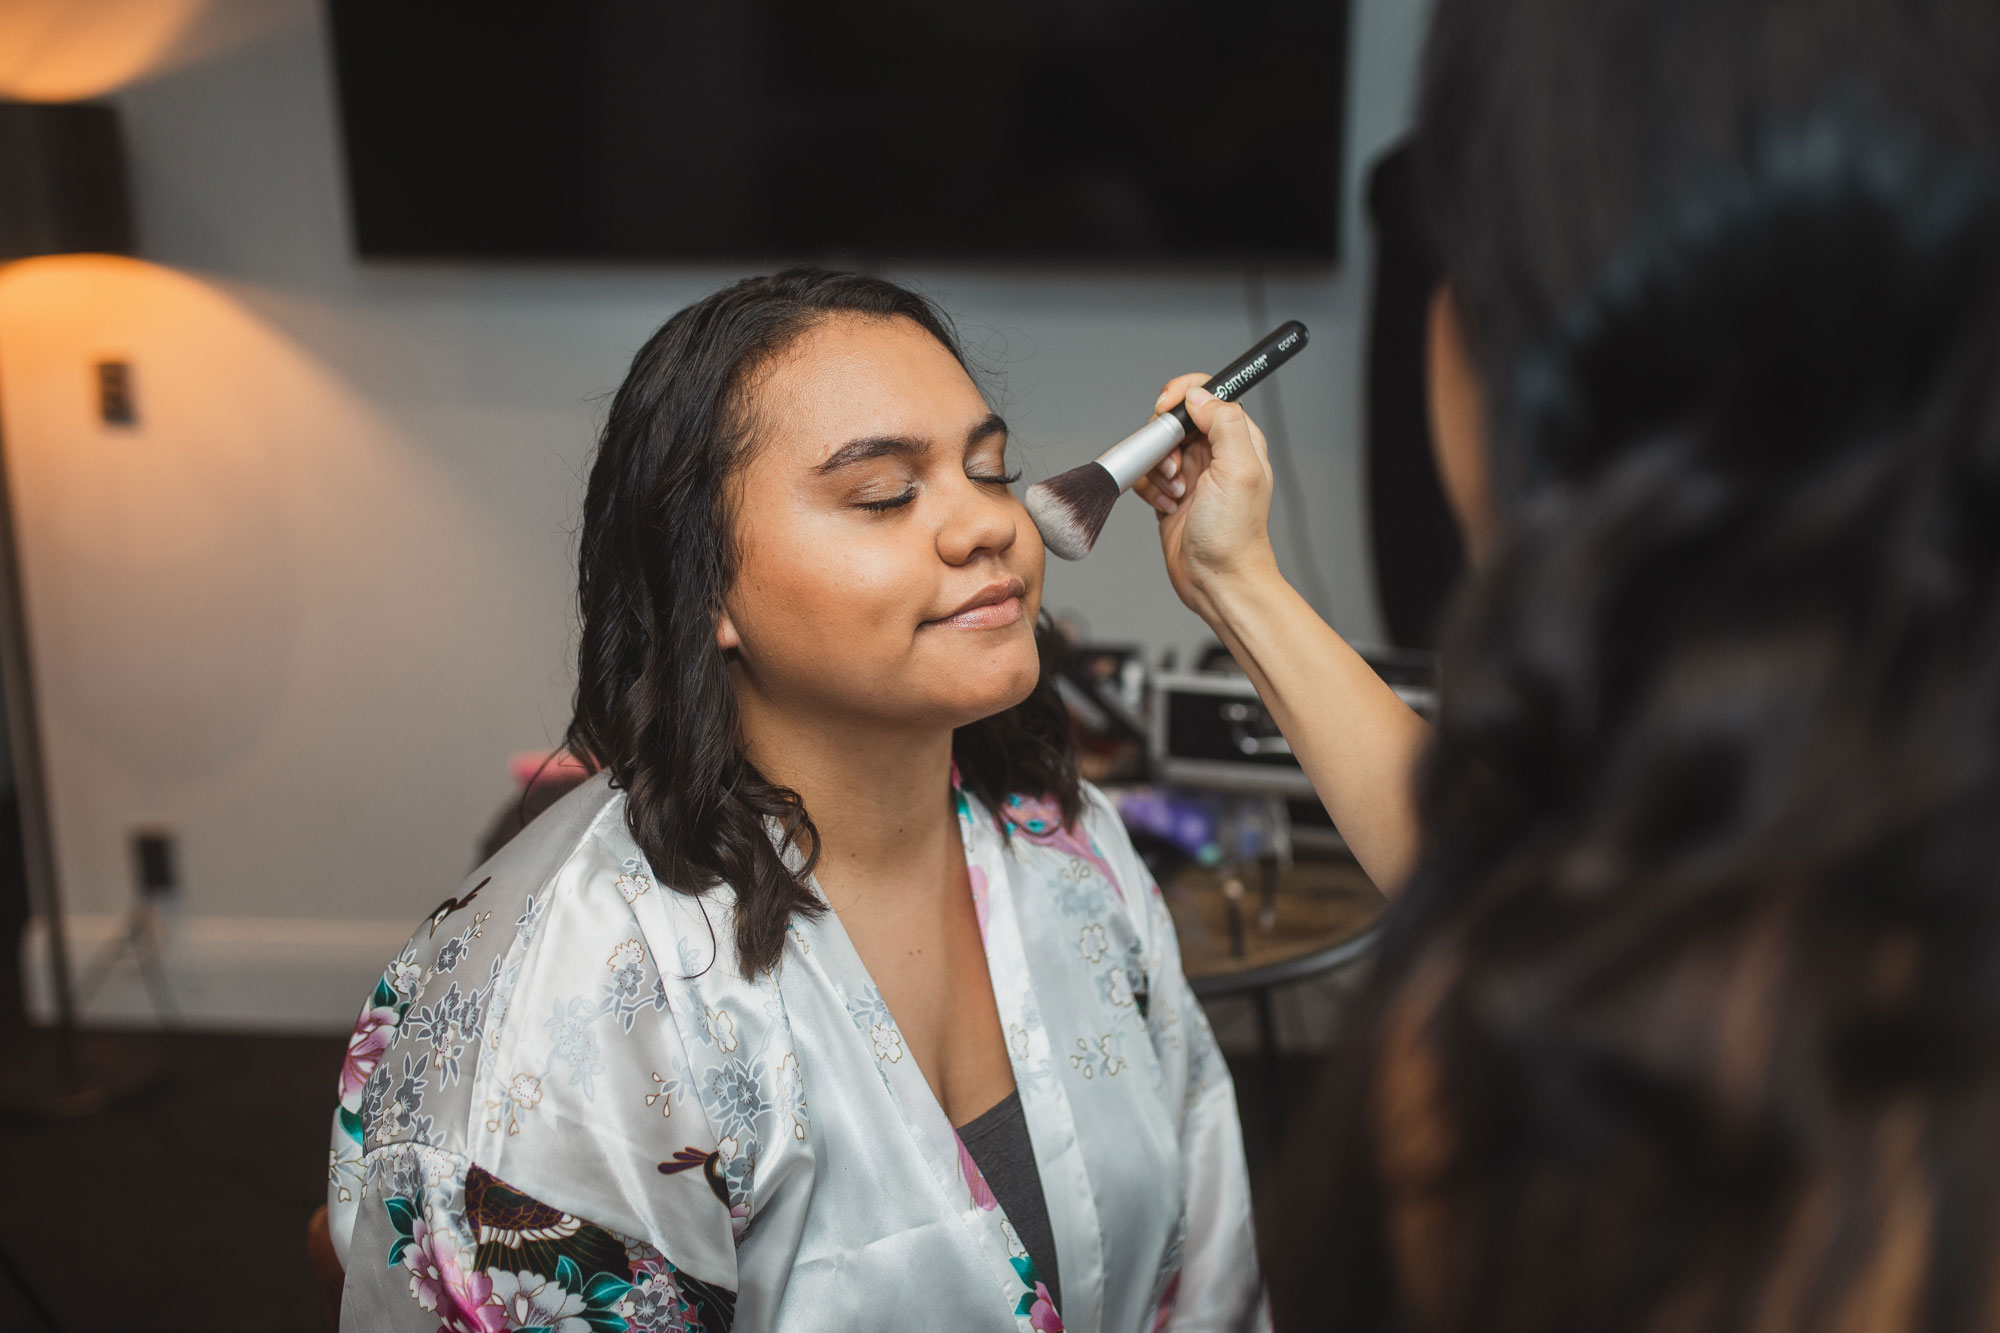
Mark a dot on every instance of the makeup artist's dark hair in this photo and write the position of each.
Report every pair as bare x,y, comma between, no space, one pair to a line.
1690,1016
654,701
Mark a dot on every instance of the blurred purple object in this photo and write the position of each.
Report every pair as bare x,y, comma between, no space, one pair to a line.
1185,820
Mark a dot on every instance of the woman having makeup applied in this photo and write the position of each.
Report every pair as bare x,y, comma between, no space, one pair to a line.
1686,1017
836,999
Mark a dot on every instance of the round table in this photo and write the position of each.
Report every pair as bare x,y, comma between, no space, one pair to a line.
1289,925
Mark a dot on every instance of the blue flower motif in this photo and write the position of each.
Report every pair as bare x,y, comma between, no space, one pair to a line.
573,1043
736,1097
454,950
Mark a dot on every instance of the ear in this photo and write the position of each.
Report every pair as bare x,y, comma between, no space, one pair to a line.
726,637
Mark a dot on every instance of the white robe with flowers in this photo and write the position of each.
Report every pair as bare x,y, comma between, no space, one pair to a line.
565,1108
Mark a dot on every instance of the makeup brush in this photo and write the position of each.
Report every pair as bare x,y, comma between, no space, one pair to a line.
1070,509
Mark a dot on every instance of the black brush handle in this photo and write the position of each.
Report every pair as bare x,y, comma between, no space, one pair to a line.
1245,372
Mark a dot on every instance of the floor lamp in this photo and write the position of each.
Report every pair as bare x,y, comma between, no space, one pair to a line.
63,190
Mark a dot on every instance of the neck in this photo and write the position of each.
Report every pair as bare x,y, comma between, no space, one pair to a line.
881,800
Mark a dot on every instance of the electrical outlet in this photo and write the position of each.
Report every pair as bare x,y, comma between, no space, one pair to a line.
154,862
115,403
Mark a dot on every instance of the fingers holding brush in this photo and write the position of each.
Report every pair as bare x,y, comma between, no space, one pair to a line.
1175,391
1157,492
1165,486
1220,525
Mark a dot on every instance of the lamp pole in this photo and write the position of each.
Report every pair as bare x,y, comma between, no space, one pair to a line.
63,190
24,737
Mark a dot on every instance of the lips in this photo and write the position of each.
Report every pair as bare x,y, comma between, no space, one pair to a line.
995,605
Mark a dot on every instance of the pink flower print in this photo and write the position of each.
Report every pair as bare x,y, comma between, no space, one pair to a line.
1040,820
533,1301
469,1304
425,1258
461,1299
1042,1315
365,1046
975,1180
980,904
1037,816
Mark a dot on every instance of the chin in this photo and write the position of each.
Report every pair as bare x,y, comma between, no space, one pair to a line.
995,689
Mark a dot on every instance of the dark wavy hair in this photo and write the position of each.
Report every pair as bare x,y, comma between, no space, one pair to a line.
655,704
1690,1016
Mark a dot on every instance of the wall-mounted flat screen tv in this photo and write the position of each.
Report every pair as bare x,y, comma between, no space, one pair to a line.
1121,131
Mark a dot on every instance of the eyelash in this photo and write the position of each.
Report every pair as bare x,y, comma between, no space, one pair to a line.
898,501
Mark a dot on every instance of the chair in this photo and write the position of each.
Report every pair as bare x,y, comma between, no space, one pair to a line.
326,1267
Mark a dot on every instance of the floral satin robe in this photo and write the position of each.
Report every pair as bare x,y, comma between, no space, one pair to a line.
565,1109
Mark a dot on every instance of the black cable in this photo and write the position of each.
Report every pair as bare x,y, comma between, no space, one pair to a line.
1283,464
28,1293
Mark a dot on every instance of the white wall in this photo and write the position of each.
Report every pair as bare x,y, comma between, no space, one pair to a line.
305,611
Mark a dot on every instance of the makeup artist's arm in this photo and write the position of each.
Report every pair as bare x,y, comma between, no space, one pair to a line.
1358,743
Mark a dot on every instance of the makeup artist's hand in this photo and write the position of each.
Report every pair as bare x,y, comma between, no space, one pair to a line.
1214,498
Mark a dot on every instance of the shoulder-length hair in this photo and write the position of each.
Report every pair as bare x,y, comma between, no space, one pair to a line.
655,704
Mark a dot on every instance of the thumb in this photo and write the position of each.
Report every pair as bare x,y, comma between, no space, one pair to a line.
1232,435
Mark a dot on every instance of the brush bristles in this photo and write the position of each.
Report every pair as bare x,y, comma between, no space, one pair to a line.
1070,509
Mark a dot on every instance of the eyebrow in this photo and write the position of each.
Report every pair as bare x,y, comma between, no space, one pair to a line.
870,447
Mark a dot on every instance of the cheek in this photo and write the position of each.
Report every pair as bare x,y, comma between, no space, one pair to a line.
1457,420
818,589
1030,561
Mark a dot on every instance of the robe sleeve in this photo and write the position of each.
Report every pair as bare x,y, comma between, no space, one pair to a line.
1218,1286
566,1172
450,1246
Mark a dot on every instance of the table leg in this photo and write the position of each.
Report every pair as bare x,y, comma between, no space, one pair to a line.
1273,1068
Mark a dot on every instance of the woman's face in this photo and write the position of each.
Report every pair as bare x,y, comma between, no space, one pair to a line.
1458,430
887,574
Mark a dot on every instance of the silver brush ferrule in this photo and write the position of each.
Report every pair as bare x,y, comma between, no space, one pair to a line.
1141,451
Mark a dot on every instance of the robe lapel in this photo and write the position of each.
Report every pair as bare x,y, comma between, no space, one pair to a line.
930,1130
1000,878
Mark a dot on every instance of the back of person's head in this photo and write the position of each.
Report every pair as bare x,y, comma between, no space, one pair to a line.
1690,1018
656,705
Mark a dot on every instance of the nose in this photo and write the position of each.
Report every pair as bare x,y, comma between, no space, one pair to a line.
982,520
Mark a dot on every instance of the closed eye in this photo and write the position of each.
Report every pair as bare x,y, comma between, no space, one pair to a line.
893,502
899,501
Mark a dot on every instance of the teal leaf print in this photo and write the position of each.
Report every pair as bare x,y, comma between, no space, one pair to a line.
402,1212
402,1216
606,1289
568,1276
1034,1304
1026,1268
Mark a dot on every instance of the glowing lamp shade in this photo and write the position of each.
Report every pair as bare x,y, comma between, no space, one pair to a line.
62,180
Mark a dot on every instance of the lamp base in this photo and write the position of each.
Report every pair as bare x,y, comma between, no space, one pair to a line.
44,1077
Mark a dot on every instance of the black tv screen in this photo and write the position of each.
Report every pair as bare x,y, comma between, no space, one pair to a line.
1100,130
